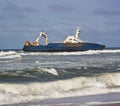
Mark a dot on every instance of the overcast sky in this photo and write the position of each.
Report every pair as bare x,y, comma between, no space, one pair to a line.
22,20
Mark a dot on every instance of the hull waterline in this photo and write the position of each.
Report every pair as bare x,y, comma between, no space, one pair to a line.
61,47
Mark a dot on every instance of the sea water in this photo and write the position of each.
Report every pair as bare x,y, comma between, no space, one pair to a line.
30,76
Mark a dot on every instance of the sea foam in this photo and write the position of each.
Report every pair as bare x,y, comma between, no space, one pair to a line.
16,92
9,55
50,71
89,52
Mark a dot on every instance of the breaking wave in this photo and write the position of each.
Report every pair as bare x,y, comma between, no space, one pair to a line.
90,52
9,55
19,92
52,71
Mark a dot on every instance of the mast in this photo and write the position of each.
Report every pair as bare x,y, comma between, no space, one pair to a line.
77,32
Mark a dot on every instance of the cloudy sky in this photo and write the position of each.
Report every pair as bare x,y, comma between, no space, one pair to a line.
22,20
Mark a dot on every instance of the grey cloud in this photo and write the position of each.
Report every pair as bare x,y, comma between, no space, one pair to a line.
14,11
12,7
113,23
107,12
60,8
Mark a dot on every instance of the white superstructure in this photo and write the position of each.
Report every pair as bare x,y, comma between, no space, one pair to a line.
74,39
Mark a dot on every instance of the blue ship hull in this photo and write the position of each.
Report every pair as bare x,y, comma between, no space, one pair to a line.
64,47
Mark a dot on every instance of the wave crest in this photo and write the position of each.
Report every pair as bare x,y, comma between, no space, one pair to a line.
89,52
9,55
62,88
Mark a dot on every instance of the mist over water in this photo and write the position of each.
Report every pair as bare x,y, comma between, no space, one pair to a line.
27,76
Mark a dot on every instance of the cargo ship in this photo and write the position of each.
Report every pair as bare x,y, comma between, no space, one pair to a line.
70,44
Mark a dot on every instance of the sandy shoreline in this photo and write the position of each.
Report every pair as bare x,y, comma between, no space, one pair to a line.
108,99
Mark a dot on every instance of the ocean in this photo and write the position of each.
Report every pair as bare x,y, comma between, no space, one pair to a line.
31,76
